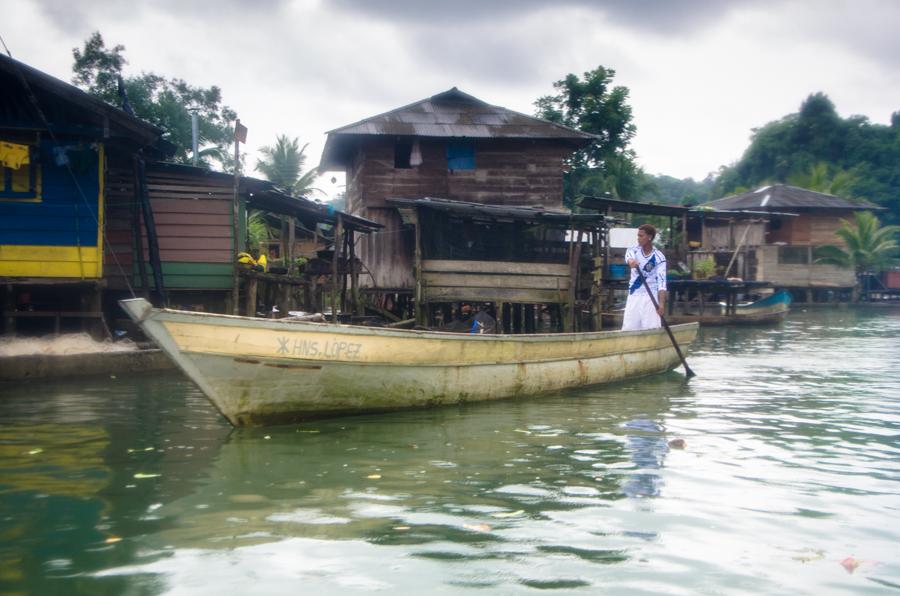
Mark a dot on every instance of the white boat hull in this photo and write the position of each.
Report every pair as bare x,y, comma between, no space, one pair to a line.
261,371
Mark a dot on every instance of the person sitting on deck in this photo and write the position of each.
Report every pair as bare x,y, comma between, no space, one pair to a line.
639,310
482,322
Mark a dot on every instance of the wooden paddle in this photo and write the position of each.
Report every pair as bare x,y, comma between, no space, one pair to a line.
687,369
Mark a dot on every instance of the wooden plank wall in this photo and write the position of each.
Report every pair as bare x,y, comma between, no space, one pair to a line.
193,217
809,228
508,172
387,253
494,281
798,275
55,235
724,237
822,228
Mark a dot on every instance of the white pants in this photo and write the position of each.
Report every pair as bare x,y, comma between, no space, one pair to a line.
639,312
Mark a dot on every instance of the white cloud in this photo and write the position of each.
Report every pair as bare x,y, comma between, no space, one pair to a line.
701,74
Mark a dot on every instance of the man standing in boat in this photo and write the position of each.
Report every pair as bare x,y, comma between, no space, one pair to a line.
639,310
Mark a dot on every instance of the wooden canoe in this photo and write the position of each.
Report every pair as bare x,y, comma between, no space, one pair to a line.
273,371
766,311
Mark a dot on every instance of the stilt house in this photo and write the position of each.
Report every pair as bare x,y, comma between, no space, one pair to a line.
89,214
782,246
471,199
55,141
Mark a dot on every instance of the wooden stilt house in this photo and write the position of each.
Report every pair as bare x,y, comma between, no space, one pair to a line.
55,143
89,214
782,248
449,173
193,211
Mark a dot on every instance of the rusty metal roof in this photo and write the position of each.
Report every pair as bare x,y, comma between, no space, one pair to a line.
451,114
500,212
782,196
65,106
620,206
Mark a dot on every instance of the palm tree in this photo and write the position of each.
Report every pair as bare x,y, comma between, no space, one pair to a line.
869,246
282,165
822,178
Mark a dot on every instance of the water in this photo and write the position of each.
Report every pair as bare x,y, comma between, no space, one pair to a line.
789,483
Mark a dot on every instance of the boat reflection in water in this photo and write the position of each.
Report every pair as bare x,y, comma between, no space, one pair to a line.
482,484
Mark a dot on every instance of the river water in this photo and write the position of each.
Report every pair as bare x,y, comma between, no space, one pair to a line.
788,482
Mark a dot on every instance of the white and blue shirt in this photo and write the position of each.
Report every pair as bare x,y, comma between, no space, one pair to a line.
653,266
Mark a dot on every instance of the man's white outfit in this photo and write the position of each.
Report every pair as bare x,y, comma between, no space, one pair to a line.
639,311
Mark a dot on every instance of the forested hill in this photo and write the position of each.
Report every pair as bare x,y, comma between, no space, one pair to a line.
679,191
817,149
814,148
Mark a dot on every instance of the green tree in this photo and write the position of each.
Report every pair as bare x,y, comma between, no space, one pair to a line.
593,105
861,159
869,246
687,191
823,178
282,165
167,103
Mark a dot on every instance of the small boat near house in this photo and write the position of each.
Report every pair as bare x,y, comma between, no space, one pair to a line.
768,310
274,371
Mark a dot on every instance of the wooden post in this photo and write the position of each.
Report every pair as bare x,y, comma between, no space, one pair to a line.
574,258
335,286
289,253
420,311
500,306
9,310
252,284
235,216
136,229
596,280
354,278
152,238
345,253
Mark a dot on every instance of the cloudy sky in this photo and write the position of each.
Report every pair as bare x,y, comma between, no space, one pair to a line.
702,73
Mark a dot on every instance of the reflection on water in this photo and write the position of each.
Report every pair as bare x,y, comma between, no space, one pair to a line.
790,467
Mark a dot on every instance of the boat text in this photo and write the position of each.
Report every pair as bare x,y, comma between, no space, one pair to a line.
338,350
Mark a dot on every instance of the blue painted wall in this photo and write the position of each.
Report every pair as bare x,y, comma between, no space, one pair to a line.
63,216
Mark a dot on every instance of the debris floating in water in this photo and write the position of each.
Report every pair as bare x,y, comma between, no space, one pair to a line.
850,564
677,444
503,514
141,475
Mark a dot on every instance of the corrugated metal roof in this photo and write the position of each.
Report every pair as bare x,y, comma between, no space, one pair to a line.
619,206
783,196
90,108
500,212
454,113
451,114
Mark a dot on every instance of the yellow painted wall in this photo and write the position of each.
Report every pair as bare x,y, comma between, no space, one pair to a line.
50,261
